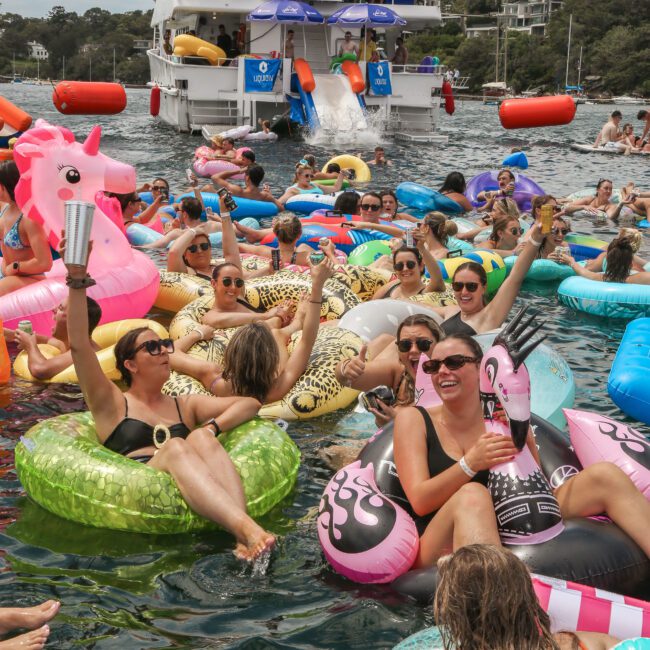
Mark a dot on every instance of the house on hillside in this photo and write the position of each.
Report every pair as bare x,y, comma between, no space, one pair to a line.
530,16
37,51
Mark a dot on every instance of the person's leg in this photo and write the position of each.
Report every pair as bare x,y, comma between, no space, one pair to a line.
603,487
207,498
34,640
467,518
12,618
251,235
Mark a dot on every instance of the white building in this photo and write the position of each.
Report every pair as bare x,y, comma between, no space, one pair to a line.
37,51
530,16
473,32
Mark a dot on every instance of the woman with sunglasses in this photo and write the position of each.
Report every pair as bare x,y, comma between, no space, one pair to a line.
416,335
191,253
549,249
504,238
472,315
598,204
174,435
302,184
443,455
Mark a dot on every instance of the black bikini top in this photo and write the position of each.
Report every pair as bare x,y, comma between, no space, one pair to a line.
132,434
456,325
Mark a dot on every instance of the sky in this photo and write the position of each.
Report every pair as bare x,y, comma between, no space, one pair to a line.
40,8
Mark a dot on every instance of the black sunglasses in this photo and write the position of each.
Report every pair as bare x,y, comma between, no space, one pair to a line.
154,347
557,231
516,231
470,286
137,199
422,344
239,283
204,245
373,207
452,362
410,264
158,187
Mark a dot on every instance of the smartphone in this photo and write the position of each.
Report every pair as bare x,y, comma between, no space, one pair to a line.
209,211
409,238
164,193
190,175
457,253
275,259
316,258
227,199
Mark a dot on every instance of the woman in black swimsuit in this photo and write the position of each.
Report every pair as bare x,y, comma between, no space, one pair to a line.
173,435
442,456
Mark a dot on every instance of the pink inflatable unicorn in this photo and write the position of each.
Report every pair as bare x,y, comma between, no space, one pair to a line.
54,168
526,509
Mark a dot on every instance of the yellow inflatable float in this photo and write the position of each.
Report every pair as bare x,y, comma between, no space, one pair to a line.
105,336
179,289
361,170
187,45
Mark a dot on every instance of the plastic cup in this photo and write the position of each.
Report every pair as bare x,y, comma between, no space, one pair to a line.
78,224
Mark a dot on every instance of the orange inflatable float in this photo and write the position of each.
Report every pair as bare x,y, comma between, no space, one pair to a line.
305,75
353,72
13,116
552,110
89,98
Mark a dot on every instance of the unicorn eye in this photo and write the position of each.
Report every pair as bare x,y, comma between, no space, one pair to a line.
70,174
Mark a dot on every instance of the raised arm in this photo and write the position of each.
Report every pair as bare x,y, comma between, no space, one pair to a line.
355,372
436,283
175,254
229,237
337,185
221,179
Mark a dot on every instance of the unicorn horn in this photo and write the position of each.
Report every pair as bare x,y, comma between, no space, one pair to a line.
91,144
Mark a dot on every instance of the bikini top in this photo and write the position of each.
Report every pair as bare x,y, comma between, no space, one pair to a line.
12,238
392,290
456,325
132,434
312,190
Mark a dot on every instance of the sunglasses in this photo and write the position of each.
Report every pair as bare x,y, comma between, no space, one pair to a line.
516,231
452,362
459,286
422,344
239,283
372,207
557,231
137,199
158,187
154,347
399,266
308,176
204,246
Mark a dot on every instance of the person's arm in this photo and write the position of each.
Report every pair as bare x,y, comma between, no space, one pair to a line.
598,138
579,204
382,291
228,412
497,311
596,264
39,366
435,283
222,320
290,191
42,260
150,212
297,363
578,268
221,179
395,231
340,177
355,372
229,237
646,129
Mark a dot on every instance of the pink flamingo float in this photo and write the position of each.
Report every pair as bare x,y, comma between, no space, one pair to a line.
54,168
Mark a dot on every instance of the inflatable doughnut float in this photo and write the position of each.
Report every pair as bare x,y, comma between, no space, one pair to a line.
426,199
525,188
245,207
307,203
315,393
359,167
65,469
205,167
176,290
105,336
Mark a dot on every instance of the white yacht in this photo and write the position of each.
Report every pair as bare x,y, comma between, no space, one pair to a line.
195,94
628,100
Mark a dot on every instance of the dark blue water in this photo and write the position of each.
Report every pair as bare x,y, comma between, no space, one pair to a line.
123,590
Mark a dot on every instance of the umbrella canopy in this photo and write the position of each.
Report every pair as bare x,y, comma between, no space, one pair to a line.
358,15
285,11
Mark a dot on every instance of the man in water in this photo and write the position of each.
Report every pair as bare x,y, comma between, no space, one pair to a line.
380,158
610,133
348,45
39,366
645,136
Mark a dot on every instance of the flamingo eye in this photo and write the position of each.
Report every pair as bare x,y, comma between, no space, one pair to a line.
70,174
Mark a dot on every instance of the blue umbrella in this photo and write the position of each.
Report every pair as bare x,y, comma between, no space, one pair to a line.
285,11
358,15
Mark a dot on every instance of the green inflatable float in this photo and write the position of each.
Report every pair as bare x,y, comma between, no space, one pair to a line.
65,469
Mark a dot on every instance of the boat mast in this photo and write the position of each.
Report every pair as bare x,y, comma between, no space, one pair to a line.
568,52
579,67
113,65
496,64
63,72
505,56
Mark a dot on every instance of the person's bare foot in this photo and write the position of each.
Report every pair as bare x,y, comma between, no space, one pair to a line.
12,618
251,235
257,541
33,640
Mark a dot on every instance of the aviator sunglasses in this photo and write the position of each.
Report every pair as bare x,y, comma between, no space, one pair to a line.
470,286
204,246
452,362
239,283
410,264
422,344
373,207
154,347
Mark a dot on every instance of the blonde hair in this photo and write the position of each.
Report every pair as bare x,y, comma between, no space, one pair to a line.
216,140
507,207
634,237
440,226
301,168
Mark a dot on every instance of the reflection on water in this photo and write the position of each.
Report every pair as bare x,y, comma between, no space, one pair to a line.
188,591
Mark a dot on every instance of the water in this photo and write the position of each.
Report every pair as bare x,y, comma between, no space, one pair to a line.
123,590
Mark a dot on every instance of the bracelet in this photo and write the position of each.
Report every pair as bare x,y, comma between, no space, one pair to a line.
198,331
466,468
534,242
225,214
213,423
192,230
317,302
79,283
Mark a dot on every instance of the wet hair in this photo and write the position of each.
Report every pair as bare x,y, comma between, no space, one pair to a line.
485,601
201,235
617,114
192,206
408,249
333,168
538,201
507,207
506,171
9,176
94,314
216,271
251,361
124,350
441,227
620,255
249,155
287,229
474,267
310,159
455,182
499,225
347,202
408,395
641,115
256,174
124,199
470,342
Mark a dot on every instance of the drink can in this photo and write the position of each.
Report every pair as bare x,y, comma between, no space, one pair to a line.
409,238
275,259
323,241
547,219
26,326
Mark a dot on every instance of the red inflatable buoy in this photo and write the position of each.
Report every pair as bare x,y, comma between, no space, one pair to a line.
89,98
13,116
537,111
154,101
448,94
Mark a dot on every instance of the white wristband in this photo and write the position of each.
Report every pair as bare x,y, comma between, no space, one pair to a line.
466,468
192,230
225,214
535,243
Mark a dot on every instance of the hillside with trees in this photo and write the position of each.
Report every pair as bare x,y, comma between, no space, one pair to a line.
84,40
